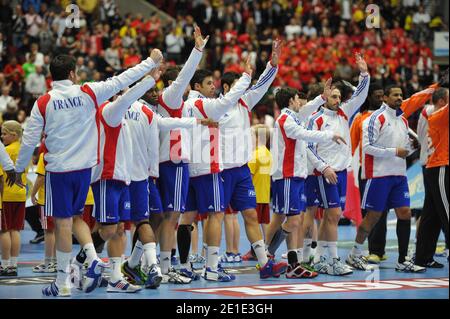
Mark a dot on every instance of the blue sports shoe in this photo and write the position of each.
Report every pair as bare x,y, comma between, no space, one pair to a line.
54,291
216,275
93,275
189,273
154,277
219,267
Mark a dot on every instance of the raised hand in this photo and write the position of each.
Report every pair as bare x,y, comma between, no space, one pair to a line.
157,56
362,65
248,66
199,41
155,74
327,89
276,52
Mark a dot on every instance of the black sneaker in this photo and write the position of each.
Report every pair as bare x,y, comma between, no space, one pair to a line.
38,239
434,264
10,271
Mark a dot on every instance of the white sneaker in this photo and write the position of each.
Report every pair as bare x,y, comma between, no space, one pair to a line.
408,266
358,262
322,267
338,268
226,258
122,286
41,268
173,277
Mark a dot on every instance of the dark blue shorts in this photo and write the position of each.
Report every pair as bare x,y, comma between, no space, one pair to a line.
238,188
154,200
288,196
65,193
206,194
139,207
112,201
384,193
173,186
330,195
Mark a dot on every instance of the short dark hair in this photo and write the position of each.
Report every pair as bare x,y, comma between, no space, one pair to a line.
314,90
199,76
374,86
170,74
440,93
229,78
284,95
61,66
388,89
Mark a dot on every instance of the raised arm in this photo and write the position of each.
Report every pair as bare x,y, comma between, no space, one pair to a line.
309,108
257,91
417,100
114,112
172,96
216,108
104,90
352,105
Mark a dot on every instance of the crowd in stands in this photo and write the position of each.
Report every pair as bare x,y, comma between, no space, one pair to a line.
321,38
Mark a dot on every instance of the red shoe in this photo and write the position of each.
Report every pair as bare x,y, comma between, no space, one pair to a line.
300,271
249,256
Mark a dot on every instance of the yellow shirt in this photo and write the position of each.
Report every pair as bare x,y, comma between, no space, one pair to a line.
260,166
15,193
1,197
40,170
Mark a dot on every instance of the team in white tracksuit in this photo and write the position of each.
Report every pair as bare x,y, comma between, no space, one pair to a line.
67,115
330,154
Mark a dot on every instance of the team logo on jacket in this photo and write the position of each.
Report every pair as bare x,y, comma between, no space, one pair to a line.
406,194
251,193
127,205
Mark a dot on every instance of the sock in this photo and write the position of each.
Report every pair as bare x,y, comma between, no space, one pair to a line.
332,249
90,252
321,249
81,256
97,240
165,261
212,257
136,255
299,252
277,239
13,262
184,242
5,263
306,249
403,233
150,254
47,260
63,274
260,252
356,250
116,273
292,257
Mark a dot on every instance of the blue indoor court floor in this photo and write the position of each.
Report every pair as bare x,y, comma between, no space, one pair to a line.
384,283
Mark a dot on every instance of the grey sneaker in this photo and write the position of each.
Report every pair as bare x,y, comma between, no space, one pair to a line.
409,266
338,268
358,262
322,266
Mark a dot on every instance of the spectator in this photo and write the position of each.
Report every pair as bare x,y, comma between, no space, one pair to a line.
5,98
112,56
424,68
309,30
35,85
46,39
174,46
420,21
293,29
19,26
29,66
34,22
11,113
